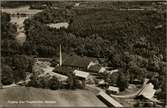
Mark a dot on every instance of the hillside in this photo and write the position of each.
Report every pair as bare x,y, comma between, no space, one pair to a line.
129,36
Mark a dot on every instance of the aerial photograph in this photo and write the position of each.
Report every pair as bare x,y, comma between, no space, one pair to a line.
83,53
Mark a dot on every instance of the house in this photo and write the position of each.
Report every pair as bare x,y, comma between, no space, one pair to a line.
112,71
91,64
76,4
148,91
108,100
113,89
59,76
77,62
82,76
102,69
103,84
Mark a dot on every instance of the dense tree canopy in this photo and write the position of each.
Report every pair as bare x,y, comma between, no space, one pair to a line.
14,63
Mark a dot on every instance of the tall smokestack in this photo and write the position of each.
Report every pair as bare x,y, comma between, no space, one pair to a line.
60,56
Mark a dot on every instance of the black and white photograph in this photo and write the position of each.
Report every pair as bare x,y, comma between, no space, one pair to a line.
83,53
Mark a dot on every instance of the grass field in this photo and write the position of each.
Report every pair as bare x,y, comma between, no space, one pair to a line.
55,98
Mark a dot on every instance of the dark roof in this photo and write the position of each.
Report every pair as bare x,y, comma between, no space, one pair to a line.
78,61
95,68
63,70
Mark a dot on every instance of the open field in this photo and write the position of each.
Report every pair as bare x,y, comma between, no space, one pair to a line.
58,97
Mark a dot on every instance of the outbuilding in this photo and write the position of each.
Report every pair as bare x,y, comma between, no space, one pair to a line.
82,76
113,89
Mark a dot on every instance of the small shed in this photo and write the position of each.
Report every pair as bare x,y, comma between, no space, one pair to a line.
113,89
59,76
112,71
103,84
76,4
102,69
91,64
83,76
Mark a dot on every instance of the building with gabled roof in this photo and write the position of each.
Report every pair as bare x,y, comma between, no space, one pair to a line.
148,91
81,74
78,62
102,69
113,89
91,64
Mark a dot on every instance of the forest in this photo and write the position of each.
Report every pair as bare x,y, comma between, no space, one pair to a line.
14,63
132,41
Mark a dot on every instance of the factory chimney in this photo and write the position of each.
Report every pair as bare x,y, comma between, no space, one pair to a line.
60,54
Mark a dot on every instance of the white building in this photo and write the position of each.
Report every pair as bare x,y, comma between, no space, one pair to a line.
76,4
81,74
91,64
59,25
113,89
148,91
112,71
103,69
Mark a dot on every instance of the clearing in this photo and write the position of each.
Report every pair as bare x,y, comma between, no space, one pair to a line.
61,98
